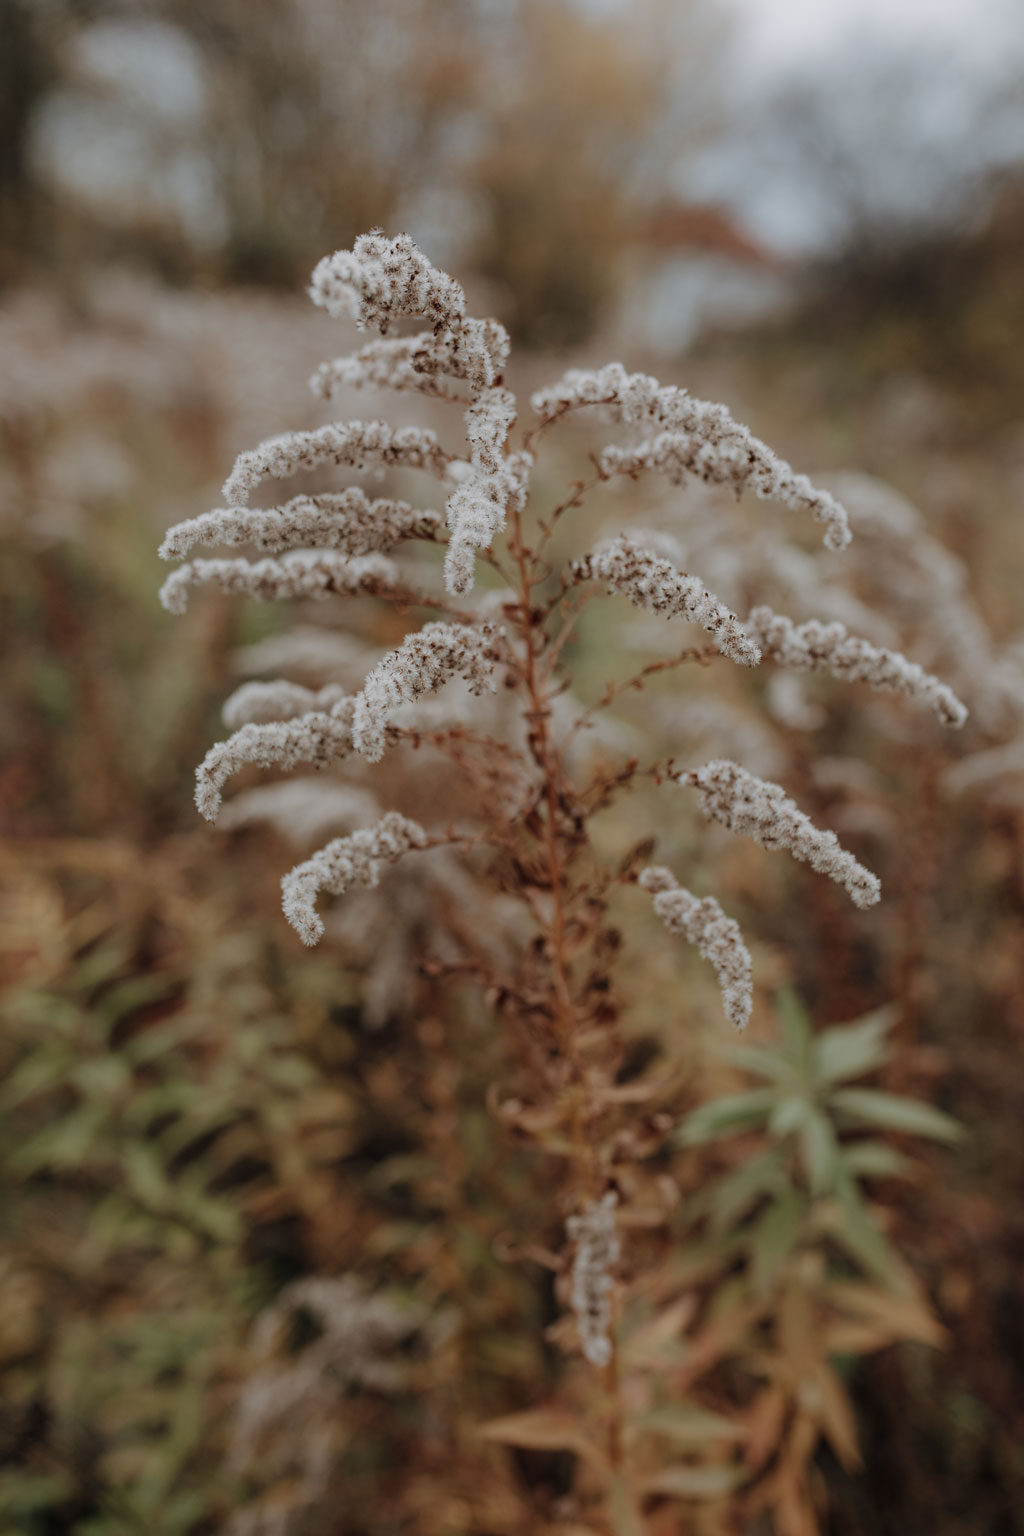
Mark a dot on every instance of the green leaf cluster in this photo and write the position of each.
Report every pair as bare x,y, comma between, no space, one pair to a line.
820,1146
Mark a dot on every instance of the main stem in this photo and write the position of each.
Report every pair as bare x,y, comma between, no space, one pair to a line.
545,756
549,764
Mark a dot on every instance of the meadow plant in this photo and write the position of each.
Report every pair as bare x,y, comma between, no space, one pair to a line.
527,807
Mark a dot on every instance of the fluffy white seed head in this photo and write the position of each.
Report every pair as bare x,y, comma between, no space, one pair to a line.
690,437
343,863
654,583
597,1251
760,810
346,520
424,662
362,445
316,738
490,485
734,458
301,573
817,647
474,351
717,937
381,280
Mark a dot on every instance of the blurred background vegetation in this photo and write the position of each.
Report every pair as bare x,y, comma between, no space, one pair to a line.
822,227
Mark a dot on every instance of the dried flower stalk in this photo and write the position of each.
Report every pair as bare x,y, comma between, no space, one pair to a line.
520,796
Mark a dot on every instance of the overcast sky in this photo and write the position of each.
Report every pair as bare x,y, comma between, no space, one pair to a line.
780,34
915,103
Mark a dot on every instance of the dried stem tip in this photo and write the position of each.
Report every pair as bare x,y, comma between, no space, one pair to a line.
313,738
654,583
424,662
717,937
380,280
760,810
691,436
347,861
818,647
300,573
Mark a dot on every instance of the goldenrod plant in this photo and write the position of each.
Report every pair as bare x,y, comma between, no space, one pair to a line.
696,1365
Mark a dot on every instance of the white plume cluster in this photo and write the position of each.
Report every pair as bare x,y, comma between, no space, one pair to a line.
691,436
359,445
761,810
424,662
717,937
382,280
302,573
347,861
817,647
654,583
337,542
494,483
312,738
347,520
475,352
597,1250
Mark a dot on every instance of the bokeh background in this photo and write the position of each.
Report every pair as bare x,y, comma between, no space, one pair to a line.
813,212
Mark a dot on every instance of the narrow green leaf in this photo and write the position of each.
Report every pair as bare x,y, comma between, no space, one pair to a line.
896,1113
775,1237
760,1061
854,1230
45,1068
875,1160
729,1198
797,1037
129,996
819,1151
147,1179
851,1050
727,1116
101,1077
62,1145
789,1115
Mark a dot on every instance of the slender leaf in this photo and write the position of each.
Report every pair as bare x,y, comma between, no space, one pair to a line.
853,1229
775,1237
689,1424
837,1418
851,1050
730,1197
797,1037
727,1116
760,1061
896,1113
819,1151
875,1160
542,1429
789,1115
695,1482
